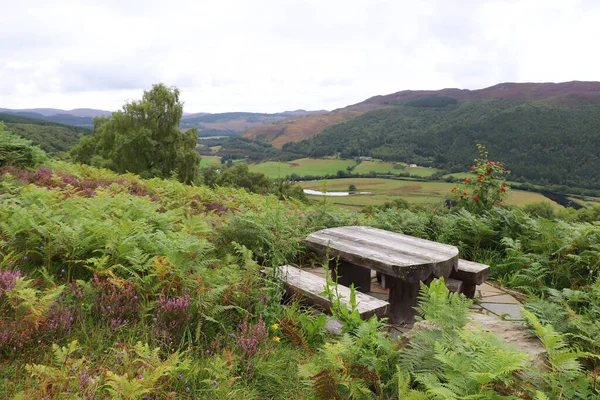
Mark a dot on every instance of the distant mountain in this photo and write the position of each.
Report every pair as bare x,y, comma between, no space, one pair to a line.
232,123
299,128
83,117
77,112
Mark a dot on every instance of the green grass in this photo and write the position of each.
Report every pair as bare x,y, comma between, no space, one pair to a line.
420,171
302,167
379,167
209,160
459,175
385,190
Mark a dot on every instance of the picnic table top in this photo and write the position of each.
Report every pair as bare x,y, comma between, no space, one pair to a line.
406,257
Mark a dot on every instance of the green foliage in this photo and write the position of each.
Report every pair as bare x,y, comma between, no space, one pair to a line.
449,360
237,176
179,266
144,138
18,152
438,305
542,209
52,137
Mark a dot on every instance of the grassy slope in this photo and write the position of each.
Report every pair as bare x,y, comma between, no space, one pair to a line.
385,190
302,167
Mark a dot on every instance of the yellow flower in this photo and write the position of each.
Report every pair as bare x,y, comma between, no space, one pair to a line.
277,339
275,326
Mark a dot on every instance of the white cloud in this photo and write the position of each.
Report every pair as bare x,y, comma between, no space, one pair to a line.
274,55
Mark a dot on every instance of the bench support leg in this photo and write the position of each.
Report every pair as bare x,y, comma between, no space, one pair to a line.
468,289
383,280
403,299
350,273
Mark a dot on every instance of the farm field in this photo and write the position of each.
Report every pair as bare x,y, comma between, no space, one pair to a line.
325,166
381,167
420,171
385,190
302,167
209,160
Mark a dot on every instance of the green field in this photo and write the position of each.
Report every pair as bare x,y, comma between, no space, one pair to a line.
380,167
459,175
385,190
209,160
302,167
420,171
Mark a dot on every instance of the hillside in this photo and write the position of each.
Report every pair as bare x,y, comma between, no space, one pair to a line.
52,137
230,123
537,141
557,94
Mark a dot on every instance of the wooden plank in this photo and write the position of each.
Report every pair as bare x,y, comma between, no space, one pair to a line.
393,254
471,272
310,286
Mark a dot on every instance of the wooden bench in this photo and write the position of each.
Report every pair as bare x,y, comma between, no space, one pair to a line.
310,286
463,280
471,274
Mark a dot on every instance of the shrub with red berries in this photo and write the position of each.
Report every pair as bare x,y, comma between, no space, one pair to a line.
487,190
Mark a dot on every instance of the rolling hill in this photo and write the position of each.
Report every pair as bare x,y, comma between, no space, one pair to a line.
564,94
553,139
82,117
232,123
52,137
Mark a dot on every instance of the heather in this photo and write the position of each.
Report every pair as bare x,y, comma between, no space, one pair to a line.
113,286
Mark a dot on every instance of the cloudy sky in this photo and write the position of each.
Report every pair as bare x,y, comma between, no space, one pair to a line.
275,55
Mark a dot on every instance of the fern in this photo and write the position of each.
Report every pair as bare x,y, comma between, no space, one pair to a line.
438,305
561,356
30,303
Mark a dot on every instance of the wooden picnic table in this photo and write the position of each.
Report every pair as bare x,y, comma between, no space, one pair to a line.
353,251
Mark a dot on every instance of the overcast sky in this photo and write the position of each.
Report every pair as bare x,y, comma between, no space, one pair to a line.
276,55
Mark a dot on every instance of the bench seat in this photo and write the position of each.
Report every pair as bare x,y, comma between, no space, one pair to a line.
310,286
471,274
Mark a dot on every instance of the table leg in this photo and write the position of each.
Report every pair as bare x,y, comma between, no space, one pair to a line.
469,289
403,299
349,273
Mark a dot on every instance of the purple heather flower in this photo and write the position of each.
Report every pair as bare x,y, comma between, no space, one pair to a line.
141,376
25,258
147,357
187,389
135,297
215,383
108,307
62,270
179,376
